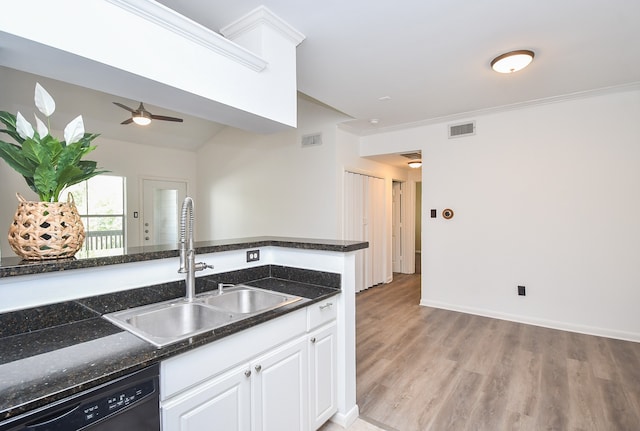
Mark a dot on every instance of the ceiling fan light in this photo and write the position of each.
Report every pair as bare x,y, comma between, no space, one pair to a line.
512,61
141,119
415,164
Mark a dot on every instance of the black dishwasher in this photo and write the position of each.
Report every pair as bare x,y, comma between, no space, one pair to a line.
131,402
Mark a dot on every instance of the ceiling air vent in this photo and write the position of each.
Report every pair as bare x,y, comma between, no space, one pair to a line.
312,140
460,130
412,156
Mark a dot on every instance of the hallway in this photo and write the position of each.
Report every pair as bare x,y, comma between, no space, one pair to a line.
421,368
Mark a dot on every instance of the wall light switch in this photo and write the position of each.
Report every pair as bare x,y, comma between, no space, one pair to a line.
434,213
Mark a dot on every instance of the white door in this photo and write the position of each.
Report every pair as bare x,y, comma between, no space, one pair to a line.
323,375
222,404
280,393
364,220
162,201
397,226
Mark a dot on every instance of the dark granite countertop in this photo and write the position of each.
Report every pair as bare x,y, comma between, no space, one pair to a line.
50,352
14,266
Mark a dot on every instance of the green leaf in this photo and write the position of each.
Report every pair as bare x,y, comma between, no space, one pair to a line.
45,181
9,120
37,151
15,158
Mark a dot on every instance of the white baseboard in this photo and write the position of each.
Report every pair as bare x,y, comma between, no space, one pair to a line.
553,324
346,419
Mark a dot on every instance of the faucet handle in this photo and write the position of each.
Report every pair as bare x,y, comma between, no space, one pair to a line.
199,266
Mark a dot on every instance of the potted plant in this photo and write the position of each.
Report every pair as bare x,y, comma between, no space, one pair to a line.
47,229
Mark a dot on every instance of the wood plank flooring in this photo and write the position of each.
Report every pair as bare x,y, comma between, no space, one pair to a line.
426,369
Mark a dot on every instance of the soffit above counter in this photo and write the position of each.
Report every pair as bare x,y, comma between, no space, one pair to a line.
142,50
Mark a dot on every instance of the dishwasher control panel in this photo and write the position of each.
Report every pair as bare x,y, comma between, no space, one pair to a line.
114,403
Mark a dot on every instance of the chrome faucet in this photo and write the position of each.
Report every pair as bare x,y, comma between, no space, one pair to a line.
188,263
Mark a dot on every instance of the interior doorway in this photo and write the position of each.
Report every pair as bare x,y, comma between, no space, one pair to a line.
162,200
403,227
397,228
418,235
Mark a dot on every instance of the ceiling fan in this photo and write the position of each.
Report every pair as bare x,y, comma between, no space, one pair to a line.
143,117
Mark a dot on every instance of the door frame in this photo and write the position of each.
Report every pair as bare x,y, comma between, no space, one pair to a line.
141,181
407,221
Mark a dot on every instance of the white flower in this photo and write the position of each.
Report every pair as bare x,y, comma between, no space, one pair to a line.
41,127
74,130
44,101
23,127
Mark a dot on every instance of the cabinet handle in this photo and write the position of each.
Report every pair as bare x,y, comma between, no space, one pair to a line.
313,339
327,305
258,368
247,373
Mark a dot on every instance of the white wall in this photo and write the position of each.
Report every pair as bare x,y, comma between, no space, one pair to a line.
133,161
252,184
544,196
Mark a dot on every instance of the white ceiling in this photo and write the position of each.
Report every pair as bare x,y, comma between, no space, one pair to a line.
430,58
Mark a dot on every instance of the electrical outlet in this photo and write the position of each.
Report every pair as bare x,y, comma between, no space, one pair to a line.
522,291
253,255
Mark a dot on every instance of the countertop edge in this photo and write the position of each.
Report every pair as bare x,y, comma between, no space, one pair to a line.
11,267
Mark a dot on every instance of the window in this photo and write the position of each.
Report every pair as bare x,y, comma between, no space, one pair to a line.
100,202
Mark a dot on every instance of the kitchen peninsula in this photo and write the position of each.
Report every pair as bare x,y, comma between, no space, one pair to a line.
35,296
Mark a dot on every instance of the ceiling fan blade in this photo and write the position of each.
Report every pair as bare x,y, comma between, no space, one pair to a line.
163,118
124,107
127,121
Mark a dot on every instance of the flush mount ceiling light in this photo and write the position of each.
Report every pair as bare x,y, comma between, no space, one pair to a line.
415,164
512,61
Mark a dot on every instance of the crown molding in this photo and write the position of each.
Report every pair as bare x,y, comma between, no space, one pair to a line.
182,26
259,16
494,110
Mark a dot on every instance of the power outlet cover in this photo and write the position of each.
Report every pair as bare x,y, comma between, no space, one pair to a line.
253,255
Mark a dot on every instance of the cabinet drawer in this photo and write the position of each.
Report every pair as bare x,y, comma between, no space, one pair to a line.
322,312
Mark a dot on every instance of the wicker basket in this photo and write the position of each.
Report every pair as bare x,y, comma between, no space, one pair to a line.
46,230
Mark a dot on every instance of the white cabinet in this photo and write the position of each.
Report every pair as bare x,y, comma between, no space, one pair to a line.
267,394
279,389
323,363
323,375
279,376
223,403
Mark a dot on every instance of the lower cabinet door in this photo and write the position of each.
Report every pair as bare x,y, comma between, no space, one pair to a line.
280,389
323,376
223,404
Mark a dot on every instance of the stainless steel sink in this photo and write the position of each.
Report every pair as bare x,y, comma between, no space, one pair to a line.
244,300
168,322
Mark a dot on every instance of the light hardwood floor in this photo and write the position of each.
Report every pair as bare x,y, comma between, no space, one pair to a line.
421,368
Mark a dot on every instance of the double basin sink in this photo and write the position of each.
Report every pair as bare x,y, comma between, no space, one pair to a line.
168,322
